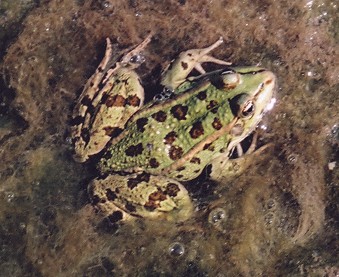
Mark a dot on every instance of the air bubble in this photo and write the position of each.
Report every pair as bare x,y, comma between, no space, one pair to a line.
68,140
269,219
10,196
217,217
270,204
22,226
107,5
335,130
177,249
138,59
164,95
291,159
47,26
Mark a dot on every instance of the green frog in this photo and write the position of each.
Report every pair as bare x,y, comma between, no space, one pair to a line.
145,152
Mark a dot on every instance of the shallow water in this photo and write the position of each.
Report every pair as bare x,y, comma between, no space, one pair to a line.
279,218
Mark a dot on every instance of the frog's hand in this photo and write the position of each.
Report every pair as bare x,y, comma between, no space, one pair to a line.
140,195
177,72
223,169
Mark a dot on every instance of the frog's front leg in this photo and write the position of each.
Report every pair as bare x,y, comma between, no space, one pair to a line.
176,73
141,195
108,100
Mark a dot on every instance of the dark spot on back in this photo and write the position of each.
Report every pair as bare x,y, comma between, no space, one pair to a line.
172,189
216,123
142,177
202,95
133,100
175,152
179,111
134,150
112,131
197,130
154,163
181,168
170,137
111,196
141,122
195,160
211,104
160,116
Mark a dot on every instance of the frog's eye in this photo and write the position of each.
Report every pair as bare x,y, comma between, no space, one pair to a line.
242,105
247,109
230,78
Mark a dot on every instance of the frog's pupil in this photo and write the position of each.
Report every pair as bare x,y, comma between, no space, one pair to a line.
248,109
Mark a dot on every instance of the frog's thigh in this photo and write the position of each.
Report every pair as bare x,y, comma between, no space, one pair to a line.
141,195
120,97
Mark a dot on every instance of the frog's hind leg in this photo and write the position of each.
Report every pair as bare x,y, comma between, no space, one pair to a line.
179,69
110,97
140,195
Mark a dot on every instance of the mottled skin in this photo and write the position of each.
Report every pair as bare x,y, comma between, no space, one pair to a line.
164,142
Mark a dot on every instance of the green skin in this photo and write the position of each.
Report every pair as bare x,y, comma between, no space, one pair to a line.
168,141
